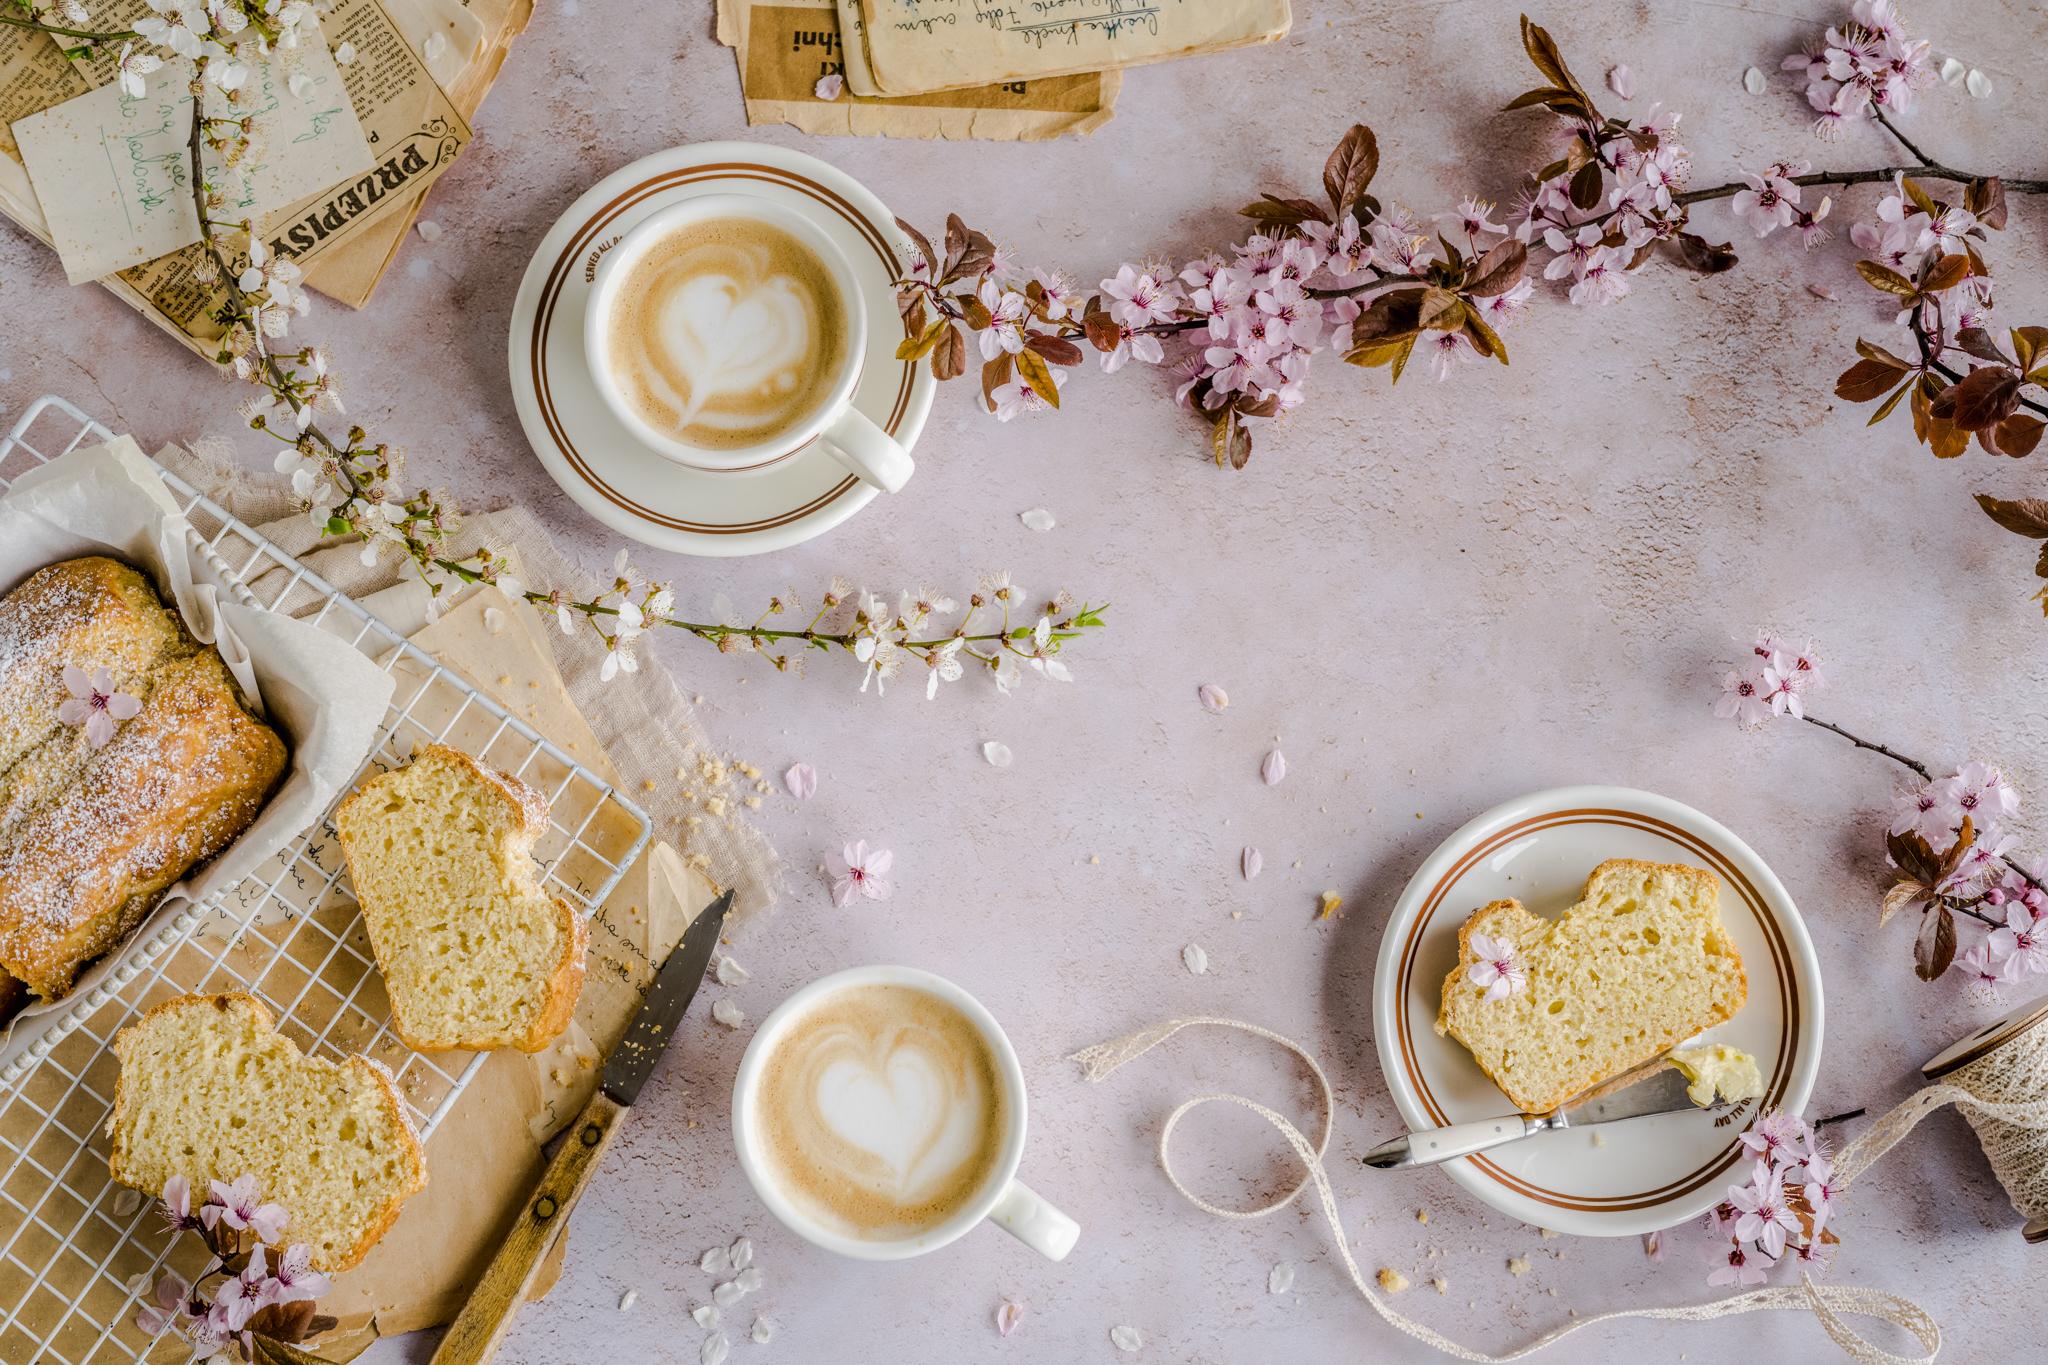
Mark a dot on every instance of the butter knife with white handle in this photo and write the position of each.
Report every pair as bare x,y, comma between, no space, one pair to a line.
1653,1088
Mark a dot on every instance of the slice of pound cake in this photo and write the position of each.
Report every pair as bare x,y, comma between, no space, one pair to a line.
1638,966
211,1091
475,953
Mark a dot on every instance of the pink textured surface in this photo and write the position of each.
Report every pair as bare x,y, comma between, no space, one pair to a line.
1435,599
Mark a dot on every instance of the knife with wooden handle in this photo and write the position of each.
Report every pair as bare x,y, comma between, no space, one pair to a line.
480,1328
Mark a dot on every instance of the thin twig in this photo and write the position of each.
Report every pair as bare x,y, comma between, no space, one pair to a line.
1893,754
1885,121
1875,176
1842,1117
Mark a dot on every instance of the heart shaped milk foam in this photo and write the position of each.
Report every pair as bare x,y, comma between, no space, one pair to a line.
726,333
897,1102
881,1111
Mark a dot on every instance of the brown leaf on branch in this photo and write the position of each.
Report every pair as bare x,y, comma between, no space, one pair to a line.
1868,379
917,347
2022,516
1543,52
1934,947
1586,184
1499,270
2016,436
1056,350
1919,197
922,242
1870,350
949,357
994,374
2028,343
1104,334
1393,351
1229,440
1984,397
1439,310
1885,278
1351,168
1709,258
1977,342
1285,213
1032,370
1484,339
1986,199
1946,273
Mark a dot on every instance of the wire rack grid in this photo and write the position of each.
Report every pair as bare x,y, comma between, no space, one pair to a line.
76,1250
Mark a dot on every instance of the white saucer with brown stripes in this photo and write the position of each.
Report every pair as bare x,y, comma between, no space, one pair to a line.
1643,1174
597,461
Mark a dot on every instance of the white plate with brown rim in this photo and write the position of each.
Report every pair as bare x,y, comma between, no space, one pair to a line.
603,466
1643,1174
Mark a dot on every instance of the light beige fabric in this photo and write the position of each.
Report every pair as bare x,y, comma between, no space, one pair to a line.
644,722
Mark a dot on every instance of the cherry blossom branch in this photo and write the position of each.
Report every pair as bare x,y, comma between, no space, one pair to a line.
1893,754
1885,121
1880,175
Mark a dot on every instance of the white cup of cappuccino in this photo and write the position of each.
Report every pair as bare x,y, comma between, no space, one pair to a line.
727,332
879,1113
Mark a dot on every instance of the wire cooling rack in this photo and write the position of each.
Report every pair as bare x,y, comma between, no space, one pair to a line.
75,1249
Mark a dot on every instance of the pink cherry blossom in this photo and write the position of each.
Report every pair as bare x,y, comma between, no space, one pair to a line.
859,871
1498,970
240,1297
240,1206
1771,202
1765,1217
95,703
1741,1268
1744,699
295,1279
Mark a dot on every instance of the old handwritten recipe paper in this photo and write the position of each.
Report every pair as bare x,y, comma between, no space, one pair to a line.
112,173
785,48
916,46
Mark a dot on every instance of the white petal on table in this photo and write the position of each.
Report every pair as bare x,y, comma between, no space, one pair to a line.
715,1349
1126,1338
1951,71
801,781
732,1016
1622,81
1213,698
1273,769
731,973
715,1261
1037,519
997,753
1753,81
1195,958
741,1252
1251,862
764,1331
1978,84
705,1315
1281,1278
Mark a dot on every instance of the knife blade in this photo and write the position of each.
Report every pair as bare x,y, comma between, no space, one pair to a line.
675,986
474,1336
1654,1087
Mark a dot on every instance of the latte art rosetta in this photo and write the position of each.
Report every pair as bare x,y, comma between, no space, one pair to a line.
881,1111
726,333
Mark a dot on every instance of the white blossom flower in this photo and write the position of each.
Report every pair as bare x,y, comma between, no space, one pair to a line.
1498,970
132,67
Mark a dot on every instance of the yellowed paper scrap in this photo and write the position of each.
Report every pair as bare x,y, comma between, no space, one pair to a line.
784,48
481,33
415,130
112,170
916,46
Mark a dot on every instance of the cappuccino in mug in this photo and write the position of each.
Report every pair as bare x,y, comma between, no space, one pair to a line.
726,332
881,1111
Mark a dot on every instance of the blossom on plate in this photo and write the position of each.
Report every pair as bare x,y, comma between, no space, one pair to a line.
859,871
1498,970
95,703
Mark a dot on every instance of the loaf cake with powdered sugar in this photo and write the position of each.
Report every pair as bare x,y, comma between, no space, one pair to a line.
128,757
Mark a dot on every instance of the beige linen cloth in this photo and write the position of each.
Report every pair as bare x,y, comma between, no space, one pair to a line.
644,722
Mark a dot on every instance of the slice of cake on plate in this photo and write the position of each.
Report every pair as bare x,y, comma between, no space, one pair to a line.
1549,1008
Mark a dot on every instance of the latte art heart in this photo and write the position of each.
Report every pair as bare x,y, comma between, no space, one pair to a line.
726,333
881,1111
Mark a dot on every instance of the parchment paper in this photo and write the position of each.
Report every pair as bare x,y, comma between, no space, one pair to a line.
325,696
784,47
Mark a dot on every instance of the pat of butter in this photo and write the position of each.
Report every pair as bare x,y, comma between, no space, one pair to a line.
1717,1069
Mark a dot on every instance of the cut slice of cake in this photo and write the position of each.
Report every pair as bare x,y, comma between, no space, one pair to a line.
1638,966
209,1090
475,953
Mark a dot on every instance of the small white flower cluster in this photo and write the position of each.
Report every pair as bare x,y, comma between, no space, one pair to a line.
2010,903
1773,681
1862,68
1781,1212
225,37
1641,167
1772,202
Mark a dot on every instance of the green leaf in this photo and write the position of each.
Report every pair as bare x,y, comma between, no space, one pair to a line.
1884,409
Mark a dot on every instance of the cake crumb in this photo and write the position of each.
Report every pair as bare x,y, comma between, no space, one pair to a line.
1518,1265
1599,1138
1328,904
1422,1215
716,806
1095,860
1392,1280
1546,1233
1440,1284
628,1299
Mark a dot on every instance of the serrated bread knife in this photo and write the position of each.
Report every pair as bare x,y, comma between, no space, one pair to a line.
1652,1088
475,1335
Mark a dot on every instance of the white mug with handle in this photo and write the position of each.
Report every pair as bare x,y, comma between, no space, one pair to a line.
837,427
1001,1199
